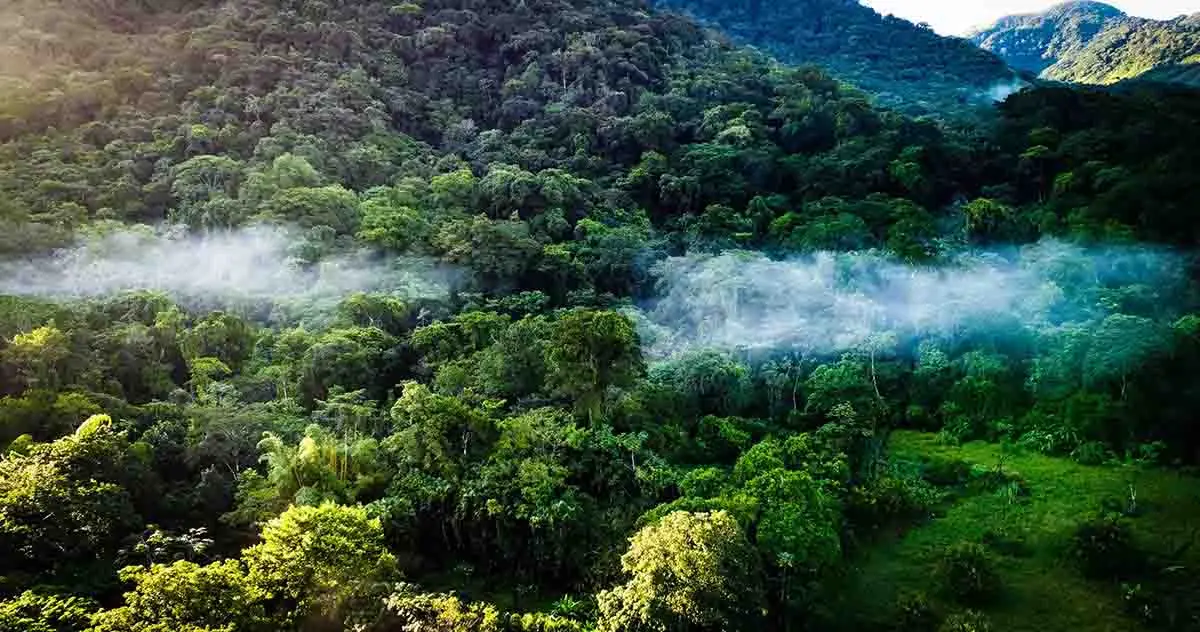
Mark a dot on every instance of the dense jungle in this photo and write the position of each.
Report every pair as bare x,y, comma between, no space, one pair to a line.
583,315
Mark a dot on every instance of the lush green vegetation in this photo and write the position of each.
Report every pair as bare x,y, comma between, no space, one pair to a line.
1024,509
1092,42
501,447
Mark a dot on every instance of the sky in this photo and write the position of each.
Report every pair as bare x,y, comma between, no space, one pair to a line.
957,17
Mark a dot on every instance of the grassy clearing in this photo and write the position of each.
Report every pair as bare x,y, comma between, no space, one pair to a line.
1042,590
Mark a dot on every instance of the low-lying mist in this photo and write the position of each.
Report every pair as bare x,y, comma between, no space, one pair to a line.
1001,90
830,303
245,267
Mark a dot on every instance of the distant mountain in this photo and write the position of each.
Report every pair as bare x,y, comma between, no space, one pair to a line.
1092,42
1034,42
905,65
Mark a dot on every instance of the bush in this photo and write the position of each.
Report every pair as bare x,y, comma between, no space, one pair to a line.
1007,542
1170,600
969,621
914,613
1103,548
947,472
890,499
967,573
1092,453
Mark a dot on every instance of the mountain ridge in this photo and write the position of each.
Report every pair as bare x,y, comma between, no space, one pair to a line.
906,66
1092,42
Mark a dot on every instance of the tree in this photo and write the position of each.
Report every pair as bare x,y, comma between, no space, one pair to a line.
219,335
321,467
1119,346
332,206
515,365
589,352
689,571
64,502
205,190
313,559
500,252
614,256
987,220
435,433
391,219
310,563
710,382
287,171
186,597
38,356
39,612
352,357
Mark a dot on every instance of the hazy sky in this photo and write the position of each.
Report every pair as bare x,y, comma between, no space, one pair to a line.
956,17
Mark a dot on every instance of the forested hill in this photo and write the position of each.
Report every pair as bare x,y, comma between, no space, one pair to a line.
1091,42
1036,41
568,316
903,65
178,123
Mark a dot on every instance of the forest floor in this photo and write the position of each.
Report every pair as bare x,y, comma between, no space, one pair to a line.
1042,590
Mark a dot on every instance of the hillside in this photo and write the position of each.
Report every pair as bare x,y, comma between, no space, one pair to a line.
1034,42
1091,42
1130,48
903,65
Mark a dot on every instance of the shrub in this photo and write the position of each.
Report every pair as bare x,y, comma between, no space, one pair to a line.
1092,453
1103,548
890,499
1169,600
967,573
968,621
1006,542
947,472
914,613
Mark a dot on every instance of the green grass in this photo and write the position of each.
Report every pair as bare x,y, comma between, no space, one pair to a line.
1042,589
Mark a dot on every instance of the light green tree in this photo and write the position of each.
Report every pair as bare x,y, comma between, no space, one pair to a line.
689,571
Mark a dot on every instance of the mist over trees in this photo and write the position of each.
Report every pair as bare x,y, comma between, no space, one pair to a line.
564,315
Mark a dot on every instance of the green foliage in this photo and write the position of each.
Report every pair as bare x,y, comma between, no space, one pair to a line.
39,612
1103,548
967,573
914,613
331,206
890,499
185,596
311,559
967,621
1131,48
311,562
79,481
444,612
688,571
589,352
441,613
906,65
503,440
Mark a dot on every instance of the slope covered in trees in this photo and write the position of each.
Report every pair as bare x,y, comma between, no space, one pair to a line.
376,316
903,65
1092,42
1036,41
